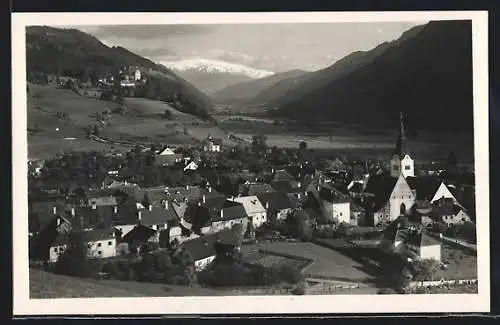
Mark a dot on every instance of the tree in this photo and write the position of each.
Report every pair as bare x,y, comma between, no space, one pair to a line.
303,145
167,114
423,270
259,143
73,261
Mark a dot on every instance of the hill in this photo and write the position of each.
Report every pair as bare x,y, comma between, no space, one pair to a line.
44,285
58,119
245,91
73,53
426,73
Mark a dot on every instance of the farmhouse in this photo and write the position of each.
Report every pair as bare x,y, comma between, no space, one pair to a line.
203,249
101,243
212,144
334,205
254,209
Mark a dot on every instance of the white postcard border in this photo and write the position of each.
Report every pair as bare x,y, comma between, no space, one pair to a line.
438,303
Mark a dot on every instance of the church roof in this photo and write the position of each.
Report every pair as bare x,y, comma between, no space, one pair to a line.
401,148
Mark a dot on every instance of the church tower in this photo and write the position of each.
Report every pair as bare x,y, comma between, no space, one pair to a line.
401,161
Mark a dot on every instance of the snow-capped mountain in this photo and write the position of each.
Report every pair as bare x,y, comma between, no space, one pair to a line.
216,66
211,76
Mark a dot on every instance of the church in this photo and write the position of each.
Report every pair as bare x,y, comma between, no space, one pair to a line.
393,194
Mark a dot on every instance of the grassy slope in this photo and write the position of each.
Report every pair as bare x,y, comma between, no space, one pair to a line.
48,285
45,101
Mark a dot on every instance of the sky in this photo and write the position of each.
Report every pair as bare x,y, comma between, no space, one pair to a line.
275,47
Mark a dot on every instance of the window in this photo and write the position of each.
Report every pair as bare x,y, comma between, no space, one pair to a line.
407,167
55,249
340,213
110,243
99,245
99,252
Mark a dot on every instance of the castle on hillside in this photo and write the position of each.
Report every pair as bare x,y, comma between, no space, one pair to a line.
401,161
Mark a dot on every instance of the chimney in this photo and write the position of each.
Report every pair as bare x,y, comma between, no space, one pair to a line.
267,205
204,199
221,213
187,187
125,183
150,207
298,195
210,189
54,210
139,215
94,206
166,204
58,221
299,185
115,209
73,211
272,170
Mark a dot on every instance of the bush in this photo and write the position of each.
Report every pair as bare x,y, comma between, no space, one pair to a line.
290,274
386,291
300,289
113,270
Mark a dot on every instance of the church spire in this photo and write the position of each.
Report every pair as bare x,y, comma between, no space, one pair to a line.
401,148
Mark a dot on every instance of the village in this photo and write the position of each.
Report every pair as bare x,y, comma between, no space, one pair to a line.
249,217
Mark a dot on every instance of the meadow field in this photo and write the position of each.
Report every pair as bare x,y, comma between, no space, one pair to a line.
326,262
143,124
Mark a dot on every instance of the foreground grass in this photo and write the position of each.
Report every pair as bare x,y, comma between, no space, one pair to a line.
44,285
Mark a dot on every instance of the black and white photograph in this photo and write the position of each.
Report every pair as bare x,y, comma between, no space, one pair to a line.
228,163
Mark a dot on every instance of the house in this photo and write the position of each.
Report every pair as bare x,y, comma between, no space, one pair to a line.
203,250
335,206
191,166
254,209
229,214
158,218
254,188
407,239
101,243
445,210
168,160
108,200
212,144
392,197
358,215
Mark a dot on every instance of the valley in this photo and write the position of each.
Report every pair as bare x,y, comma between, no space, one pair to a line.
144,125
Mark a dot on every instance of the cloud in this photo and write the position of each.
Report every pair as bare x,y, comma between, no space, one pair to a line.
148,31
154,52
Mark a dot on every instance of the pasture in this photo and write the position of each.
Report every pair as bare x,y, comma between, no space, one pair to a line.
462,264
326,262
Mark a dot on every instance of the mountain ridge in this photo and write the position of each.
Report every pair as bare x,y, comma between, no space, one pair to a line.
426,73
74,53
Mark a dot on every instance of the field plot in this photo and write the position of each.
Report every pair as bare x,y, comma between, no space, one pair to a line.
43,146
462,264
326,262
276,262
